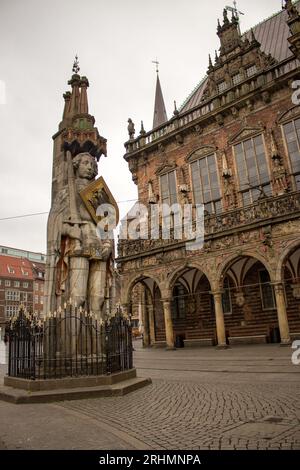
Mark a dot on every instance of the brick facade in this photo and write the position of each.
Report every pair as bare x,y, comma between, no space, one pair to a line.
243,107
21,282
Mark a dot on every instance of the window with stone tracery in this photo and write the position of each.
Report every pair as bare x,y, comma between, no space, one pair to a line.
206,186
222,87
236,79
292,138
252,70
252,169
168,188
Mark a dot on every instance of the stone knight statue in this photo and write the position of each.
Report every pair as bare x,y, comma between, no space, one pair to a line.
79,262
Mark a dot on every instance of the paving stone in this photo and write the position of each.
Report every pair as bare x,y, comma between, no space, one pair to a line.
183,411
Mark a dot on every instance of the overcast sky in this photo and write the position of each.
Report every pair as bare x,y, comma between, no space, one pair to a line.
116,40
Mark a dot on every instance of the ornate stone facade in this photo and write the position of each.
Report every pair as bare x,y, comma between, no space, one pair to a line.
244,282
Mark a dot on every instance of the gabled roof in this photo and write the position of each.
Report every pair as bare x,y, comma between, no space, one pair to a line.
272,33
15,268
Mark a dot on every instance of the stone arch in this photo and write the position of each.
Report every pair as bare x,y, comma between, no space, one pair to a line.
181,270
192,311
288,282
225,265
134,280
142,300
248,298
293,246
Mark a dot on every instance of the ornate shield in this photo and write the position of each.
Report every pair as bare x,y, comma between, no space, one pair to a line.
94,195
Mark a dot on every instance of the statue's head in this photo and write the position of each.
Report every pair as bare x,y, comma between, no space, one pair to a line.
85,166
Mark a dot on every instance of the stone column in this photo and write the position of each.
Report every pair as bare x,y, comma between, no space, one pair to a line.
220,324
282,315
168,324
150,310
145,319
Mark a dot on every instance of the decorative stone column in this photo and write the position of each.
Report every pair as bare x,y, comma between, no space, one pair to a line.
168,324
220,324
282,315
150,310
145,319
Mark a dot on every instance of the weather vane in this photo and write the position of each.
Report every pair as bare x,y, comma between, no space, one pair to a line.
76,67
235,12
156,63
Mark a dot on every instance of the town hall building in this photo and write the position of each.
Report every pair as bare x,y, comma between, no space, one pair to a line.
233,146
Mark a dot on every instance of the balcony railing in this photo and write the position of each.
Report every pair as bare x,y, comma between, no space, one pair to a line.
213,103
266,210
227,97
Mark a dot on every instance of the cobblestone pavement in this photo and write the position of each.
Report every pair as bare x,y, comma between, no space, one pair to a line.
208,416
243,398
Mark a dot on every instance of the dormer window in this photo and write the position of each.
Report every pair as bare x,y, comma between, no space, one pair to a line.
25,273
10,270
236,79
222,87
250,71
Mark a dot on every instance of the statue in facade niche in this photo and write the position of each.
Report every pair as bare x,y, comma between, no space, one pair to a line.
81,263
279,175
279,172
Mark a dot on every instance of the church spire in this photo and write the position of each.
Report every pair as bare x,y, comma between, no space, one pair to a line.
160,115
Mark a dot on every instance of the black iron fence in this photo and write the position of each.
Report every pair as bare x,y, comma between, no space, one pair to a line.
68,343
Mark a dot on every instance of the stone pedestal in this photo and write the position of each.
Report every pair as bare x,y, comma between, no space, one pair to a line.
17,390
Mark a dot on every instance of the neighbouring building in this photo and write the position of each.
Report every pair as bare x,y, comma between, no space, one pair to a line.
21,281
233,146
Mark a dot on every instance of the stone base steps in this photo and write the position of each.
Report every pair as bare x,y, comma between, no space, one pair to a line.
159,344
18,396
295,336
200,342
